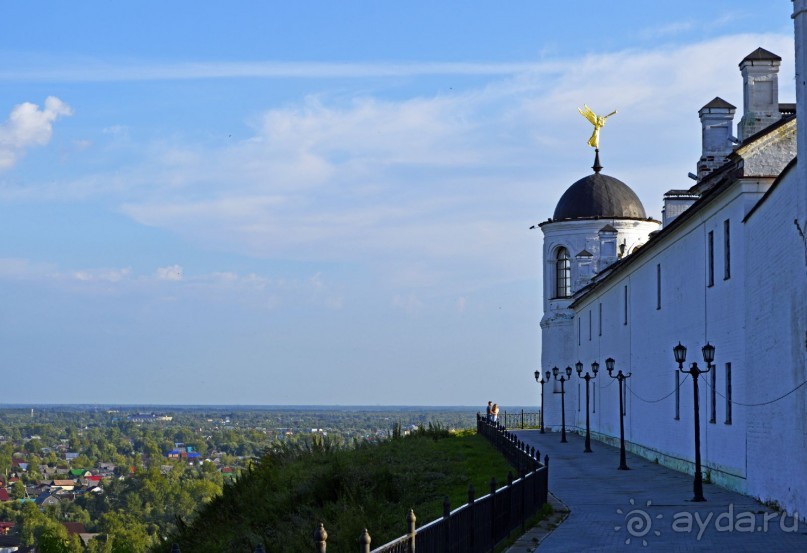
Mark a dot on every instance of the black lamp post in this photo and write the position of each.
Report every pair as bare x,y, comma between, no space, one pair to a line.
609,365
562,379
680,352
588,376
540,380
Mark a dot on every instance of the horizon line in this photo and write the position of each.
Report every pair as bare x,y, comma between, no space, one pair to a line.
232,405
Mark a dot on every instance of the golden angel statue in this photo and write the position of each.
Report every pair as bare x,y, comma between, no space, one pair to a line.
598,122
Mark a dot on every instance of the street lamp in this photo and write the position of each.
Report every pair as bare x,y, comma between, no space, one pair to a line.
609,365
588,376
680,352
562,379
540,379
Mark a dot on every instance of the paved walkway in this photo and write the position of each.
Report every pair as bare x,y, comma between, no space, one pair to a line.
648,508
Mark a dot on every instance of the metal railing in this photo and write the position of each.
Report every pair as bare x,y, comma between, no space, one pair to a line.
520,419
481,524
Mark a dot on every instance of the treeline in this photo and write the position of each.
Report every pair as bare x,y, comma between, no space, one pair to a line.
108,436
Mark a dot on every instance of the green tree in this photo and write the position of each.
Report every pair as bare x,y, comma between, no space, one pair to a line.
126,534
6,452
82,462
31,521
18,490
53,538
32,446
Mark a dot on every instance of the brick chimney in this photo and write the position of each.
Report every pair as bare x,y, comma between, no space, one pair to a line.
760,70
717,122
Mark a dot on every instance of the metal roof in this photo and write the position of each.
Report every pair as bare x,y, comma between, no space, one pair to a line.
761,54
599,196
719,102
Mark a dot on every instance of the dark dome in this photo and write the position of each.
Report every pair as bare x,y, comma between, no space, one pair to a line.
599,195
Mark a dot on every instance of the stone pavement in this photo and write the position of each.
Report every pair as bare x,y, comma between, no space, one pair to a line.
647,508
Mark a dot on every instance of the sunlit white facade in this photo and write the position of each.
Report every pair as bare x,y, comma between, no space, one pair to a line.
728,267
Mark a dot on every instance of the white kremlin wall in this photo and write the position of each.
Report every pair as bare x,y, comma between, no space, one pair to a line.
660,295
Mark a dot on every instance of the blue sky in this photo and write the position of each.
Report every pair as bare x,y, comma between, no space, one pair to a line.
323,202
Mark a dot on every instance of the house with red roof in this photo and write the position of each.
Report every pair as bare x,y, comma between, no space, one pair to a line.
6,528
75,528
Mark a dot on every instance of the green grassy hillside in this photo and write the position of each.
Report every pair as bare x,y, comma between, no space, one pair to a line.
280,501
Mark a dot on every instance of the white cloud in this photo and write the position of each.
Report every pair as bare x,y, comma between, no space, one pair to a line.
227,287
101,275
12,268
409,304
116,130
428,190
94,71
316,281
82,144
172,272
29,126
668,29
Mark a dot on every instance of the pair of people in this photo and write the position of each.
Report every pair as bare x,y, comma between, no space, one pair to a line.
492,412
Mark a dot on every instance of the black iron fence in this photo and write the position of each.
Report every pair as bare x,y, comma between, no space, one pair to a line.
482,523
520,419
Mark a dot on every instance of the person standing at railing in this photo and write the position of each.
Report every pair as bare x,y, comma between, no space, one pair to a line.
494,411
489,412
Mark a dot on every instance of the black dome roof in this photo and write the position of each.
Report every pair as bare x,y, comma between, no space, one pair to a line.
599,195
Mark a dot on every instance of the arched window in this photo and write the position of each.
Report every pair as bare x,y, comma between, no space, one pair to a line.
563,274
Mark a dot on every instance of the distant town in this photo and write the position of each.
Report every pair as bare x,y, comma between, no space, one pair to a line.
89,475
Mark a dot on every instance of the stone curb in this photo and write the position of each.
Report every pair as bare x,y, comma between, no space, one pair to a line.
533,537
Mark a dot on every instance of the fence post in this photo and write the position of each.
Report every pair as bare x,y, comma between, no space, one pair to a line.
472,526
364,542
447,523
535,478
320,537
523,449
492,513
412,530
536,484
509,523
521,487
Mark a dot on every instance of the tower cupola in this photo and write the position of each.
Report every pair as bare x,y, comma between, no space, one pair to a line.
599,196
